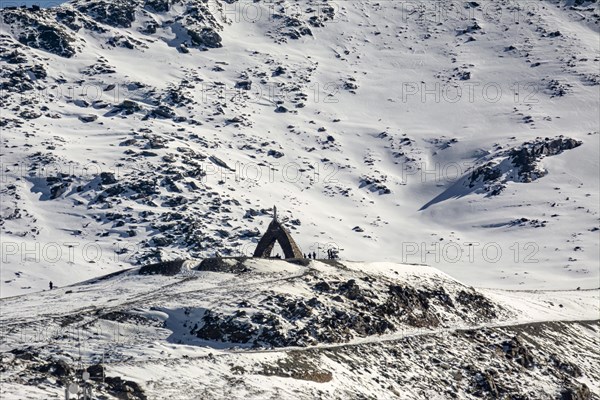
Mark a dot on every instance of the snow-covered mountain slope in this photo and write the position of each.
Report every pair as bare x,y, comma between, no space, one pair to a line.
260,329
140,131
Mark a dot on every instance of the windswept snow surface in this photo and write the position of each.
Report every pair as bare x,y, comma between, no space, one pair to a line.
390,108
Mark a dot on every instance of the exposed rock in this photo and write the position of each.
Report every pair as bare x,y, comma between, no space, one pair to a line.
27,353
338,312
519,164
297,367
228,265
183,48
165,268
128,107
58,190
159,6
205,37
88,118
69,18
485,386
275,153
375,184
163,112
566,367
50,39
526,158
117,14
217,161
475,301
29,114
58,368
125,390
576,392
518,353
107,178
279,71
244,85
14,57
349,85
96,372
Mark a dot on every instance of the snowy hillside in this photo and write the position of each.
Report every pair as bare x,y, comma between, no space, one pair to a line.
462,135
262,329
450,149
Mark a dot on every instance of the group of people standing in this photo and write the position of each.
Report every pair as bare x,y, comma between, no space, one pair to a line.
331,255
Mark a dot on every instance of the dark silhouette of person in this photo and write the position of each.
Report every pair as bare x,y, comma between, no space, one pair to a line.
314,255
304,255
51,285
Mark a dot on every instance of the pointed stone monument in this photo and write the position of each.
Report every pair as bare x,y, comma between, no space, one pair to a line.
276,232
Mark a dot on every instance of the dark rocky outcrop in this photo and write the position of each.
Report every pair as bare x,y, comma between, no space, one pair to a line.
205,37
159,6
131,318
117,14
517,352
96,372
244,85
225,328
128,107
228,265
375,184
566,367
338,312
472,300
13,57
296,366
164,268
525,159
57,368
50,39
40,32
576,391
485,386
88,118
163,111
124,389
107,178
520,164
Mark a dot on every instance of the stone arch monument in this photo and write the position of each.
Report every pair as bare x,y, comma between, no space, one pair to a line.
276,232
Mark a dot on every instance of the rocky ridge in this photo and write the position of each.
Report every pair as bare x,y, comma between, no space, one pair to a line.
328,329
